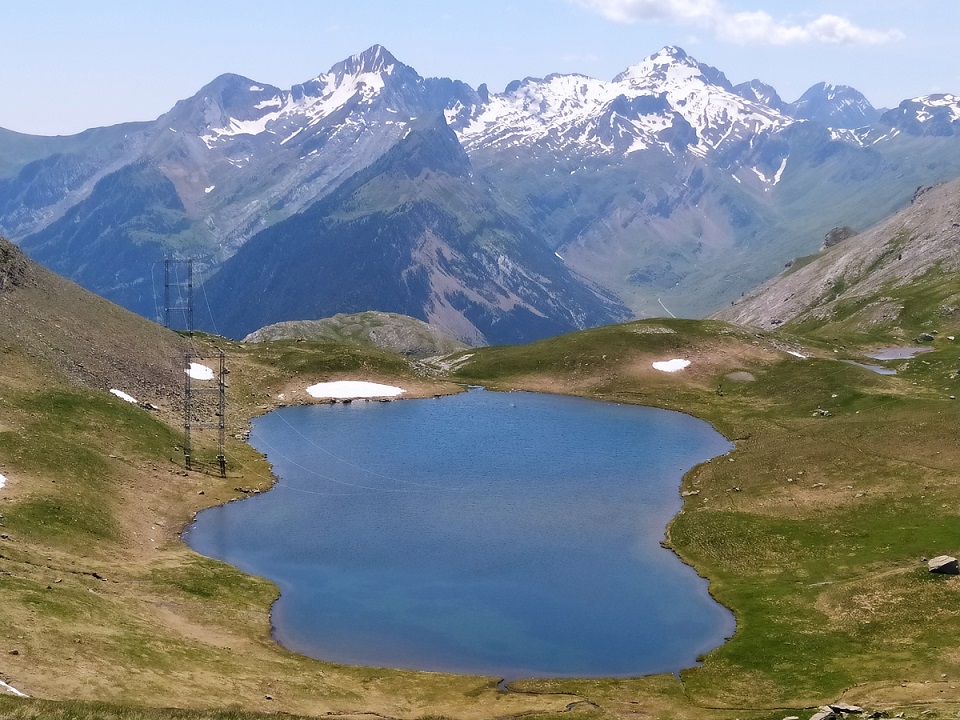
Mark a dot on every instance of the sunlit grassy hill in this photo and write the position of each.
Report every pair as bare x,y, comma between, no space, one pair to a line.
386,331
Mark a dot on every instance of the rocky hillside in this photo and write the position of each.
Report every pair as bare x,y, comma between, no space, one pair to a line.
49,324
416,234
387,331
898,275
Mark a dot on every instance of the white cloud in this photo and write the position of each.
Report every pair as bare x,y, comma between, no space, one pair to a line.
628,11
745,28
760,28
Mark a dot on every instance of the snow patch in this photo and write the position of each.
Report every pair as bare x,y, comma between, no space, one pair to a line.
853,137
199,372
275,101
671,365
952,102
12,690
776,178
256,88
798,354
123,396
3,481
558,255
349,389
209,189
887,136
291,137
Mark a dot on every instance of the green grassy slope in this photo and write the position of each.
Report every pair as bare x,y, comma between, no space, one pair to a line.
813,530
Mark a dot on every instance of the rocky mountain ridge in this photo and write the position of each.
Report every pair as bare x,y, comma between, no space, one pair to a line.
413,234
667,187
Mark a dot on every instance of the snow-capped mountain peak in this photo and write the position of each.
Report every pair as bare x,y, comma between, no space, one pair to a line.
357,81
669,100
759,92
375,59
670,64
927,115
836,106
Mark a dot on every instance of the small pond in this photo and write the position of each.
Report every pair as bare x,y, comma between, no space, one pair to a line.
508,534
897,353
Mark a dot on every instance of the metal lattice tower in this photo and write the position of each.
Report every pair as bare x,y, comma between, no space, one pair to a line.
196,409
184,288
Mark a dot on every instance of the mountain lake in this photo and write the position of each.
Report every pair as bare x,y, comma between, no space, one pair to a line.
505,534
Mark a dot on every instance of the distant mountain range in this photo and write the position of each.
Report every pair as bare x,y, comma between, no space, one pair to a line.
560,203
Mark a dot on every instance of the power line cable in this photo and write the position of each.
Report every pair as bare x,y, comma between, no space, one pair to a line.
354,465
213,322
153,282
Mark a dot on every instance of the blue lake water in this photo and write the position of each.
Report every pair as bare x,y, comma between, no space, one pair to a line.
507,534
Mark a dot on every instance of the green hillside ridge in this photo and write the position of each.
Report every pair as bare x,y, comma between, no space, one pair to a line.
813,530
386,331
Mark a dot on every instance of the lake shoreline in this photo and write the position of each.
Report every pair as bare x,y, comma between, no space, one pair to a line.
665,535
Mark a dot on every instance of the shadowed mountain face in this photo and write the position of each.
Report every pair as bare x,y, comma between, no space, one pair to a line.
121,232
413,234
666,188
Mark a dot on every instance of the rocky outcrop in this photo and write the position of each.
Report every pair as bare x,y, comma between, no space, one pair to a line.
834,711
387,331
13,265
944,564
846,708
838,235
824,713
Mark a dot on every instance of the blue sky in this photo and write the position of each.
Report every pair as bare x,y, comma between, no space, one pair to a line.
67,65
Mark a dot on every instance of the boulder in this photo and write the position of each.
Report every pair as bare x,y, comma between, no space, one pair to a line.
944,564
845,708
838,235
824,713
